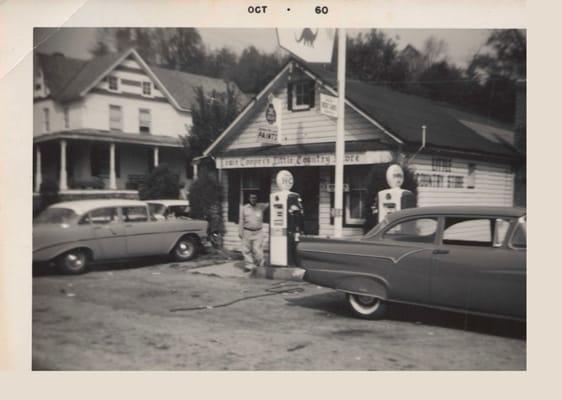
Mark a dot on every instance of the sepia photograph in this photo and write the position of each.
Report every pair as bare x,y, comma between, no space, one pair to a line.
279,199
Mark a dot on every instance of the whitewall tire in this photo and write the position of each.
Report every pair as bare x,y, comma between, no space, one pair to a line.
367,307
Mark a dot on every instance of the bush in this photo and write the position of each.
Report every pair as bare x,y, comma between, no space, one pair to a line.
376,181
161,183
205,202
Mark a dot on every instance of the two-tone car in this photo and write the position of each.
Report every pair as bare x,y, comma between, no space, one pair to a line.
73,234
459,258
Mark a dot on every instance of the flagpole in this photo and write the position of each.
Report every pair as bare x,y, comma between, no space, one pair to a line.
340,136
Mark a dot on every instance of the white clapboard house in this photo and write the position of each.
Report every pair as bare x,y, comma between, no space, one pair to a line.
101,125
468,158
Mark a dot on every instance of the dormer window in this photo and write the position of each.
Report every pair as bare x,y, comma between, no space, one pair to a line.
113,83
301,95
147,88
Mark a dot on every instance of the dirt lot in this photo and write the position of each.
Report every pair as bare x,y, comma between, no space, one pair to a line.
119,318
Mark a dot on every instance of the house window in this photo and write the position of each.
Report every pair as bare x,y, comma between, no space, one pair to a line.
144,121
113,83
66,118
46,121
471,179
99,160
146,88
301,95
115,118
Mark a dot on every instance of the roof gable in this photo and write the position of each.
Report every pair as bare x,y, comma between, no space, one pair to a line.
70,79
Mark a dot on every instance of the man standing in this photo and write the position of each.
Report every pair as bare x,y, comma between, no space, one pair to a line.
251,233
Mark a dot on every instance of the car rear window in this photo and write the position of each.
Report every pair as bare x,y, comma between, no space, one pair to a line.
56,215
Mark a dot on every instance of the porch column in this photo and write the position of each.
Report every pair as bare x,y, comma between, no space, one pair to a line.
195,171
62,175
155,156
38,174
112,180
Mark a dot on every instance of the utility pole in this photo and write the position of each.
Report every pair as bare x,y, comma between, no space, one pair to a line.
340,136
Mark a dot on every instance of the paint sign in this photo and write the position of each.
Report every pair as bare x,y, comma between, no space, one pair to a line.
329,105
310,44
269,132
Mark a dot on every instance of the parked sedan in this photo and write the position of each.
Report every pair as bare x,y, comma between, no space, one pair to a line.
467,259
73,234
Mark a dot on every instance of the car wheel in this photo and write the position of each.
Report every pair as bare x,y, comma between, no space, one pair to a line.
367,307
185,249
73,262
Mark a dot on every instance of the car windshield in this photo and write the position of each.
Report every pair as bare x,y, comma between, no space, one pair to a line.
56,215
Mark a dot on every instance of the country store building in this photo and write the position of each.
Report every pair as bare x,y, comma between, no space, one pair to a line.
468,159
101,125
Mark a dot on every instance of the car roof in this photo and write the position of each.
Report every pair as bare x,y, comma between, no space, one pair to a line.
170,202
460,210
82,206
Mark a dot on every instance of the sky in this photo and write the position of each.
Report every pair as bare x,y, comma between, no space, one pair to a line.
462,44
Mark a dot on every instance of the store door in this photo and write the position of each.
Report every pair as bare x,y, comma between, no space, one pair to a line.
307,183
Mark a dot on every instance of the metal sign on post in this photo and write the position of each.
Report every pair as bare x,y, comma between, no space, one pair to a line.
269,132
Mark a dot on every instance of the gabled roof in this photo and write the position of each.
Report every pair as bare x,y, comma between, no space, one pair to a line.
401,116
69,79
182,85
404,114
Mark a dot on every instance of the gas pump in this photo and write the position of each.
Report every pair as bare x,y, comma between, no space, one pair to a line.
285,222
395,198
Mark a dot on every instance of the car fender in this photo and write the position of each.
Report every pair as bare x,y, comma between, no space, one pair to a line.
364,285
51,252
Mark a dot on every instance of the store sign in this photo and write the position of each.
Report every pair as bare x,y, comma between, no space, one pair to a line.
304,160
269,132
329,105
440,176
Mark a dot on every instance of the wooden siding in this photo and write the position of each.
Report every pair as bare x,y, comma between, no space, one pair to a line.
308,126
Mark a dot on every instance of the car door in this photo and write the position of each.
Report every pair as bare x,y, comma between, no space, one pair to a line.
108,231
498,285
467,269
143,233
412,242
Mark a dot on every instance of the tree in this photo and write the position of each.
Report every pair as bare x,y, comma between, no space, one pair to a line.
255,69
212,114
181,49
205,202
161,183
434,50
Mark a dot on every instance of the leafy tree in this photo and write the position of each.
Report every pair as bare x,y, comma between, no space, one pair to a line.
161,183
212,114
434,51
255,69
205,202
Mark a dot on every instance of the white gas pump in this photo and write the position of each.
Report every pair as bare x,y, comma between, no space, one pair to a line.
395,198
284,222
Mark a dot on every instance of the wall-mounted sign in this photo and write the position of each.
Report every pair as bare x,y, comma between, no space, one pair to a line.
269,132
440,176
304,160
329,105
284,180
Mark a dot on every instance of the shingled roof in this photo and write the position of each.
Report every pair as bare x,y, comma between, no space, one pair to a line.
67,78
404,114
